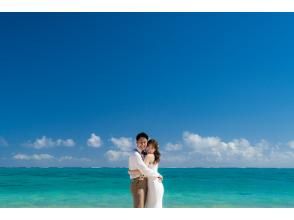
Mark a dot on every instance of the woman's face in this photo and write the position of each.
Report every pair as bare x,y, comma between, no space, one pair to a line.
150,149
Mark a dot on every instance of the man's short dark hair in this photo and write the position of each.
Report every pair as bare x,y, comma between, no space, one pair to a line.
143,135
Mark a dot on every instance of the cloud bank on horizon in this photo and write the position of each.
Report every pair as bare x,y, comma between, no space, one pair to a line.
192,150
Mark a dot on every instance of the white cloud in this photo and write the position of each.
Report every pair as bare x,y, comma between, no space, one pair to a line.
291,144
123,148
173,147
193,150
39,157
173,158
122,143
76,159
3,142
212,151
94,141
113,155
214,147
45,142
33,157
63,158
66,143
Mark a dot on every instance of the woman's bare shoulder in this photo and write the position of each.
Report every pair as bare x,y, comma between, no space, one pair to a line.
150,155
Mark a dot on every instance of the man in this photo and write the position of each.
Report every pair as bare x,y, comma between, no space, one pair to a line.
139,183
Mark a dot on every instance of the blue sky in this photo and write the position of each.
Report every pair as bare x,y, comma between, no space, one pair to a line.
215,89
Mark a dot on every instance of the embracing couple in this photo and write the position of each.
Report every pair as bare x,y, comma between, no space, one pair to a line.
146,183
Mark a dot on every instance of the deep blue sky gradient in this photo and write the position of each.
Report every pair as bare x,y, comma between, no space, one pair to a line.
66,75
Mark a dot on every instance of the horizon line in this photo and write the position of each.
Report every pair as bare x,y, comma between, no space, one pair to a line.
159,168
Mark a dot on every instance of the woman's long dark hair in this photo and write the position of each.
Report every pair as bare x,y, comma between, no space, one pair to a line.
154,143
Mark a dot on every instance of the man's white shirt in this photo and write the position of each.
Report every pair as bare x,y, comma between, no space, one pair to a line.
136,162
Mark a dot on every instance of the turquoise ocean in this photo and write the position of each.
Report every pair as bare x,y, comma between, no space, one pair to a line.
110,187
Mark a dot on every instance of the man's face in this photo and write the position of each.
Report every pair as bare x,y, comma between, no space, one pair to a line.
142,143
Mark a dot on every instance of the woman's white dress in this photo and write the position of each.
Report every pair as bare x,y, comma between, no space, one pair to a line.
155,190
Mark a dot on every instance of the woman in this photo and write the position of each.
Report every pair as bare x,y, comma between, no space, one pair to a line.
155,186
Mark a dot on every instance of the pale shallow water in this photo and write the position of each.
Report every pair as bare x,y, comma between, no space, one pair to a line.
109,187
